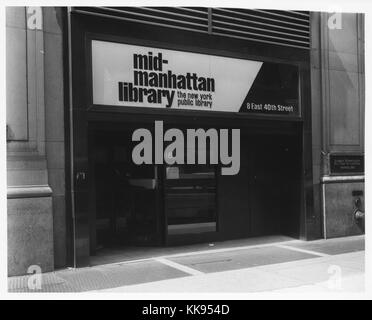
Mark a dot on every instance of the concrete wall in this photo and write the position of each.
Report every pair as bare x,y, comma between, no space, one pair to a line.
35,139
337,76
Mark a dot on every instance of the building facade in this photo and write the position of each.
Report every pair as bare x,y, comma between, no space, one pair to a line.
81,80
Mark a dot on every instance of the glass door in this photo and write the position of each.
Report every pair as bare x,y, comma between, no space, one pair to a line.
190,199
126,195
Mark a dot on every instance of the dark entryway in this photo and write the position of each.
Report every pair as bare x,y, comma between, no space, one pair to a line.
125,195
161,205
264,198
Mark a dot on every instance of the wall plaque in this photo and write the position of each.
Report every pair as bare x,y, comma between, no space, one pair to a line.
347,164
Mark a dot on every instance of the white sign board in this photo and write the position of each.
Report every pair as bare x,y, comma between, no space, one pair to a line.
137,76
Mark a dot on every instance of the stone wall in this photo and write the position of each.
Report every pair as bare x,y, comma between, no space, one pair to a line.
337,76
35,139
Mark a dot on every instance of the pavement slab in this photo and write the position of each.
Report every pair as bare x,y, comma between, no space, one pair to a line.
238,259
108,276
332,246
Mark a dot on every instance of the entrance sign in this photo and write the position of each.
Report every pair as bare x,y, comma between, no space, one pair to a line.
138,76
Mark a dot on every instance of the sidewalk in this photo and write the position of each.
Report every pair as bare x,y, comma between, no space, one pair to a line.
284,266
312,275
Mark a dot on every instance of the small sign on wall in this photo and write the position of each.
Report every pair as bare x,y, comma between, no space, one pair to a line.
346,164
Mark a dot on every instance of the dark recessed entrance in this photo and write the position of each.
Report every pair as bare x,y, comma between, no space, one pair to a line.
160,205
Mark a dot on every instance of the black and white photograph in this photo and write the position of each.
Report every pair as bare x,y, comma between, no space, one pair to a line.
185,150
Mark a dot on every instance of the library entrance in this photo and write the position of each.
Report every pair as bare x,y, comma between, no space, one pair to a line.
127,84
151,206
